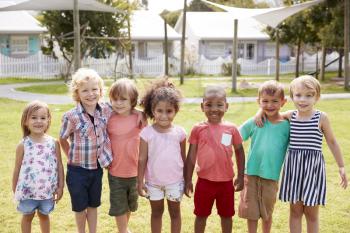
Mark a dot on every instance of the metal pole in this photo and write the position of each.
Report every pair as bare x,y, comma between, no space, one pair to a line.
130,49
183,38
76,25
166,70
346,44
234,56
277,75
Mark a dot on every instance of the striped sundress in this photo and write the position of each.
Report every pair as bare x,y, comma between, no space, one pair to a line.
304,175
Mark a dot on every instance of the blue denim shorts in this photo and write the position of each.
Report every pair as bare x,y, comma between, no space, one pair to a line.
29,206
84,187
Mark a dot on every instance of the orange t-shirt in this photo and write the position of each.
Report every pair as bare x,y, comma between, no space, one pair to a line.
124,133
214,150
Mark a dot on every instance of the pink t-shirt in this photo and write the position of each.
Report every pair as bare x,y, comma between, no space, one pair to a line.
164,164
124,133
214,150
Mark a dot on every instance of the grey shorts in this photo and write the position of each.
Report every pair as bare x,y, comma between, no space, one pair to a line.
123,195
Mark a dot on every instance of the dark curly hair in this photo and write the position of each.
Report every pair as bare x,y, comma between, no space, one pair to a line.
160,90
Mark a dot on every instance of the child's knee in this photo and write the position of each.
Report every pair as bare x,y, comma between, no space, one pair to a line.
43,216
311,214
28,217
296,211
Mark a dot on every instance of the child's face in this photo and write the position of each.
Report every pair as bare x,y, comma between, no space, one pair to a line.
304,99
214,107
271,104
122,105
38,122
89,93
164,114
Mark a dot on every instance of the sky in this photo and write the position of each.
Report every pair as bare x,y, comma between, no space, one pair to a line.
171,5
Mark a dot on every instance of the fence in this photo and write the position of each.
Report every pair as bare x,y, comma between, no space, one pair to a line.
46,67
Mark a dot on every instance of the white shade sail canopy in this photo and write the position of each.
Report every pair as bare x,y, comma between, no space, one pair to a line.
269,16
42,5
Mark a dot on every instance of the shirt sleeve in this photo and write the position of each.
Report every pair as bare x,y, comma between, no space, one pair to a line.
193,139
236,137
144,134
67,127
246,129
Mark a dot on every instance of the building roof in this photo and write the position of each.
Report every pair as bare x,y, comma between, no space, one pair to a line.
219,26
18,22
147,25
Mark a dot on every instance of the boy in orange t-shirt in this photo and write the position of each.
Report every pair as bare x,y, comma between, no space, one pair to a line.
211,145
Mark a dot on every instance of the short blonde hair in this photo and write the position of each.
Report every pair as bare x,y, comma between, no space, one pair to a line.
271,88
308,82
29,110
123,87
84,75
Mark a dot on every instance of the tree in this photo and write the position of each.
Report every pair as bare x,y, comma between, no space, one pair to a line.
94,25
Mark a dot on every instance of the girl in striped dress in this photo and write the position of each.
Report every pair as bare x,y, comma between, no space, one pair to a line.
304,177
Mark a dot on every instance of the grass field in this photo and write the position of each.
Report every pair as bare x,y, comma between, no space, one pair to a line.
333,218
194,87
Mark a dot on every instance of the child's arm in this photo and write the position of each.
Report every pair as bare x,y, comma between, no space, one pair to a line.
260,117
65,145
141,118
59,191
334,147
143,157
240,161
183,150
18,164
188,169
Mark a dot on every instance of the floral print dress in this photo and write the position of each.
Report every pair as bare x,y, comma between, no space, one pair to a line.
38,177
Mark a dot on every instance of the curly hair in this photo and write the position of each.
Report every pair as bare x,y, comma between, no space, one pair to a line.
160,90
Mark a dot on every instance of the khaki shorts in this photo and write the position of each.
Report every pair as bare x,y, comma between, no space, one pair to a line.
258,198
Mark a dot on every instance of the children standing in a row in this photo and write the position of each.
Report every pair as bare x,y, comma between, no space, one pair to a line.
211,146
38,177
89,148
162,155
123,130
265,158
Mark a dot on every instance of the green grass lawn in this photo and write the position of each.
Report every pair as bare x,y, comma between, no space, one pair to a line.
333,218
195,87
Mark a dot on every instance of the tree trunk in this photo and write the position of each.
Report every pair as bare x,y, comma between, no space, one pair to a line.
347,43
166,61
340,64
183,38
323,62
298,60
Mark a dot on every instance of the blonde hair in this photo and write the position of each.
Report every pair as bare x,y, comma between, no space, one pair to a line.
29,110
215,90
83,75
271,88
123,87
308,82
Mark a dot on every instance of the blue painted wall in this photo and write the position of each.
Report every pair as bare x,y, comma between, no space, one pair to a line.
5,44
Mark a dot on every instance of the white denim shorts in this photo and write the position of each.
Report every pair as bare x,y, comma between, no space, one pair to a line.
172,192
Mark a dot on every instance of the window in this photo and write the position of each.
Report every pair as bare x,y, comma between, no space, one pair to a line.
250,51
154,49
19,45
240,50
216,49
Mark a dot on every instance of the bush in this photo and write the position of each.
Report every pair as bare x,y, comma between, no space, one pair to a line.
226,69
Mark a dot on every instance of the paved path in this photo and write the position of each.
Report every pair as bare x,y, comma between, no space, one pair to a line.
8,91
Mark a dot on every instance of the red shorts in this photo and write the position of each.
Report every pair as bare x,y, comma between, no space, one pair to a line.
207,192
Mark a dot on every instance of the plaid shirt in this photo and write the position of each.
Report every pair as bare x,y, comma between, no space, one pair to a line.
89,142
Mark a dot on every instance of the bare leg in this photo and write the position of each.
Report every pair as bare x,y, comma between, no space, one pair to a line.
252,226
199,224
175,216
91,217
44,222
80,220
266,225
311,215
295,215
226,224
156,215
122,222
26,223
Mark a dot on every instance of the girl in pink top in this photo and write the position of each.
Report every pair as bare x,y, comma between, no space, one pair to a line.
123,129
162,155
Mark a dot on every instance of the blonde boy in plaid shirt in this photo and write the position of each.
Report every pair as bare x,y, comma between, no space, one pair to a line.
88,148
